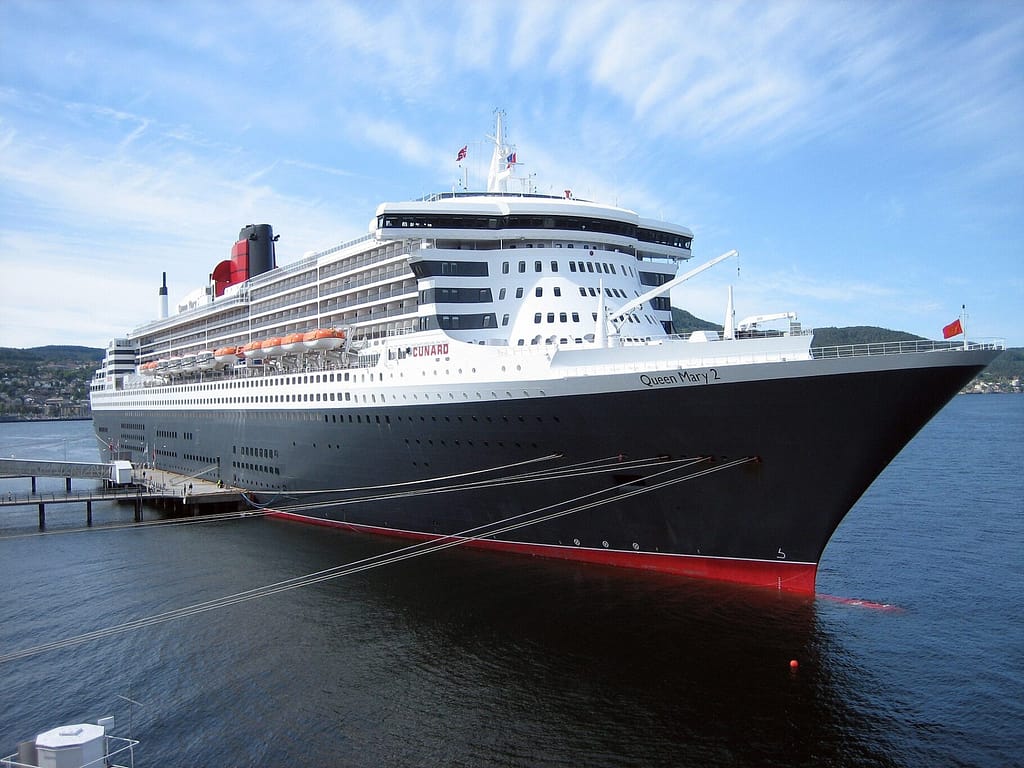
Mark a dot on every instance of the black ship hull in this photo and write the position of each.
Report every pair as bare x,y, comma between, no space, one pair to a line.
739,480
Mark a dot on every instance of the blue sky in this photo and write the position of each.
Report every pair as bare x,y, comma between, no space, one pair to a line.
867,160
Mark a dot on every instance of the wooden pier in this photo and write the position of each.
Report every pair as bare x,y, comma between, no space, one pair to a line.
180,495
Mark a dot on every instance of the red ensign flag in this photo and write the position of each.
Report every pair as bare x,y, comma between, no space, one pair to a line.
953,329
462,153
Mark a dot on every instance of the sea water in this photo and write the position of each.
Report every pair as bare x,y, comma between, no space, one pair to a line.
911,655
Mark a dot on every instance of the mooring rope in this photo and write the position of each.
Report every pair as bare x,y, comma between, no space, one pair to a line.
613,464
388,558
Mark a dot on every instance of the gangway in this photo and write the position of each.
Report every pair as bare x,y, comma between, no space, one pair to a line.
119,472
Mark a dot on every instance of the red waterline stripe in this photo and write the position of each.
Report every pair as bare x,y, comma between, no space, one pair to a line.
789,577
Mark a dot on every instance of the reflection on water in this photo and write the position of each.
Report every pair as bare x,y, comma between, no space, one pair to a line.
466,658
455,658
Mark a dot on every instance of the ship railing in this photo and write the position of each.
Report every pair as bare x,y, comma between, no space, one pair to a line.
306,261
902,348
330,305
343,246
395,251
118,753
286,296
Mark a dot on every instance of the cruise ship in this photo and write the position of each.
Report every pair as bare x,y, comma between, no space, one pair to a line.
500,369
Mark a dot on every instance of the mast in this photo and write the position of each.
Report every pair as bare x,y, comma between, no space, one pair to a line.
730,318
501,169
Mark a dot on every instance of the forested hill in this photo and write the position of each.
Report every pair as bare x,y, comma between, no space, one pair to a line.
858,334
64,355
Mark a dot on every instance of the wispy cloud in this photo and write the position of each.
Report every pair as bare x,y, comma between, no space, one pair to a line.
182,131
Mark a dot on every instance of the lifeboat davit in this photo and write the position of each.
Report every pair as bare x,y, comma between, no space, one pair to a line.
252,349
323,338
273,347
292,342
225,355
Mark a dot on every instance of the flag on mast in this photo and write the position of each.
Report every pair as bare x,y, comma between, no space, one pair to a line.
953,329
462,153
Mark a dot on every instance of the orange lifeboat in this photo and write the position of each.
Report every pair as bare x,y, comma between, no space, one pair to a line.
225,355
292,342
323,338
252,349
273,347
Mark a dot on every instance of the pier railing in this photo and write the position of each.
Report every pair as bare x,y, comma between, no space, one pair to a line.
128,493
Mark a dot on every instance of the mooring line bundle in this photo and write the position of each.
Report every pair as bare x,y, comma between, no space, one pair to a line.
614,464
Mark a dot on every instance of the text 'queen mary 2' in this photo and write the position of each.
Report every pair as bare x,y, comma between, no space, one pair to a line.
500,367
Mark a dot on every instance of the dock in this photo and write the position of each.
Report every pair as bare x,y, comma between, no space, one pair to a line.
180,495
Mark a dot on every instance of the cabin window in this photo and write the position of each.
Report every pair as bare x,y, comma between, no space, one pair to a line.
522,266
572,266
551,317
538,291
519,292
536,318
536,266
558,291
554,266
504,319
504,267
501,294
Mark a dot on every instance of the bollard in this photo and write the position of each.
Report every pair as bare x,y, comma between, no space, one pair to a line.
67,485
88,512
33,485
42,515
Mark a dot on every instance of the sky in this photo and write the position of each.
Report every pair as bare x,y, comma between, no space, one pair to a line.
865,159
